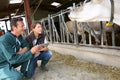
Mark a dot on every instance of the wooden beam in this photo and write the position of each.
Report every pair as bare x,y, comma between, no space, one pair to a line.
27,13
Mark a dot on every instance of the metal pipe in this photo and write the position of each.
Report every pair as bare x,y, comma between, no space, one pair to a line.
66,28
63,12
55,33
113,36
40,1
89,30
102,33
53,29
47,36
83,34
60,28
50,28
27,12
94,34
75,32
75,29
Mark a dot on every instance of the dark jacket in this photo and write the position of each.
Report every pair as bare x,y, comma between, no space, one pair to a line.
9,47
31,37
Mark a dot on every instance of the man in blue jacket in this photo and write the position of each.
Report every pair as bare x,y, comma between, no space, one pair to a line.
14,52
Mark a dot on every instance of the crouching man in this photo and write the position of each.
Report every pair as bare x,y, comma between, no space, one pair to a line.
14,52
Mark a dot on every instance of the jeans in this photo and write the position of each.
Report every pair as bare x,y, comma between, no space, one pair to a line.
46,55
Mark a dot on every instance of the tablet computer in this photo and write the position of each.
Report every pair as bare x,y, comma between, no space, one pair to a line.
44,44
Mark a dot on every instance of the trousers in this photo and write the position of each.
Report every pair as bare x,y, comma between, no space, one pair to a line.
46,55
9,72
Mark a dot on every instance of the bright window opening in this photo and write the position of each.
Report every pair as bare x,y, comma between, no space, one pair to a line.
56,4
15,1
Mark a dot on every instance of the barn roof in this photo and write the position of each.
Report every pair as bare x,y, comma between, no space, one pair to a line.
7,9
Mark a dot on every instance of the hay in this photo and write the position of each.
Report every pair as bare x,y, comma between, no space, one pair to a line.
113,72
67,67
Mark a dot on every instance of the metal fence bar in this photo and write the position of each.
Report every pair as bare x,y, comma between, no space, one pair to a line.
113,36
61,29
102,34
55,33
50,28
89,30
46,31
75,32
83,40
65,34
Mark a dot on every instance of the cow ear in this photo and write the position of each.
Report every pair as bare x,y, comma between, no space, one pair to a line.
97,1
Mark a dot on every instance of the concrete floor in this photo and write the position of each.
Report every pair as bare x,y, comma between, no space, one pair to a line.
67,67
80,63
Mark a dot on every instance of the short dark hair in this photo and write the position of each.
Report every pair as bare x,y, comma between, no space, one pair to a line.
13,21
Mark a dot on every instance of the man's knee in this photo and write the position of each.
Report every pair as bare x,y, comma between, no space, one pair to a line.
12,76
18,77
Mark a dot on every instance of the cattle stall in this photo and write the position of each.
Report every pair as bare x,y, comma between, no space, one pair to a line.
82,35
58,31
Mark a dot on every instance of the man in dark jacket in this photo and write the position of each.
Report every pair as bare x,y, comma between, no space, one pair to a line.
14,51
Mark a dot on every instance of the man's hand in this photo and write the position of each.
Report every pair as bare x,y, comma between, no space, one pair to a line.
23,50
35,49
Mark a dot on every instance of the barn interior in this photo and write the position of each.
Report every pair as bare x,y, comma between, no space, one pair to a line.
86,60
37,7
36,10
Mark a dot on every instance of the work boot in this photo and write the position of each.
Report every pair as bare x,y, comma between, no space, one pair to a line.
43,65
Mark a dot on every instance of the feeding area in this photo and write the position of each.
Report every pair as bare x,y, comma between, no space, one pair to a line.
67,67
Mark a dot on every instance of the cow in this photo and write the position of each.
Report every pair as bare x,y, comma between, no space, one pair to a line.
95,28
96,10
80,31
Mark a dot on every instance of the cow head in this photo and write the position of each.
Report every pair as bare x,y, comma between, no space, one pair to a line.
93,10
